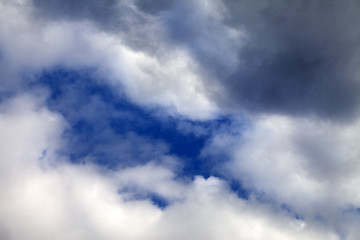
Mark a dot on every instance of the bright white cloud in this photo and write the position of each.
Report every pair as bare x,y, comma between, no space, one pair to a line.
171,80
42,198
311,165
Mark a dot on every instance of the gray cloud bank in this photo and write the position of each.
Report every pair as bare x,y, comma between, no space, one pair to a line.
301,56
297,57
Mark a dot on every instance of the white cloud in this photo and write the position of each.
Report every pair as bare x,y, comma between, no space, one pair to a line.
46,199
171,79
150,178
311,165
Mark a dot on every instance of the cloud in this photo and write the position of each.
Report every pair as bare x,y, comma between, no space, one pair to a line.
299,58
44,197
32,44
275,56
271,87
308,164
270,56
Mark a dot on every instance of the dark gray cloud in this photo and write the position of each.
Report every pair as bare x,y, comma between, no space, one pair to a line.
100,11
154,7
302,56
296,57
127,19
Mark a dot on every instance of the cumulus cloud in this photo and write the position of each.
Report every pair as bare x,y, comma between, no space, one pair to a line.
307,164
42,198
31,44
273,56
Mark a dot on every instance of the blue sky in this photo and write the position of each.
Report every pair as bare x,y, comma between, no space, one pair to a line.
179,119
108,116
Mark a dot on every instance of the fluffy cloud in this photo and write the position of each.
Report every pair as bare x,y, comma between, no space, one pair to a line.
297,58
308,164
30,45
44,197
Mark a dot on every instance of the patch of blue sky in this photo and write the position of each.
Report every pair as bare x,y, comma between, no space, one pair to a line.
130,194
291,211
352,210
109,130
158,201
112,131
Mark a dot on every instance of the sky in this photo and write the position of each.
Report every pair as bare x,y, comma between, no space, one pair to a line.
169,119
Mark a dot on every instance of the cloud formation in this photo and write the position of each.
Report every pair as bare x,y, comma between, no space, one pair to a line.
310,165
301,57
32,44
43,197
282,57
173,119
